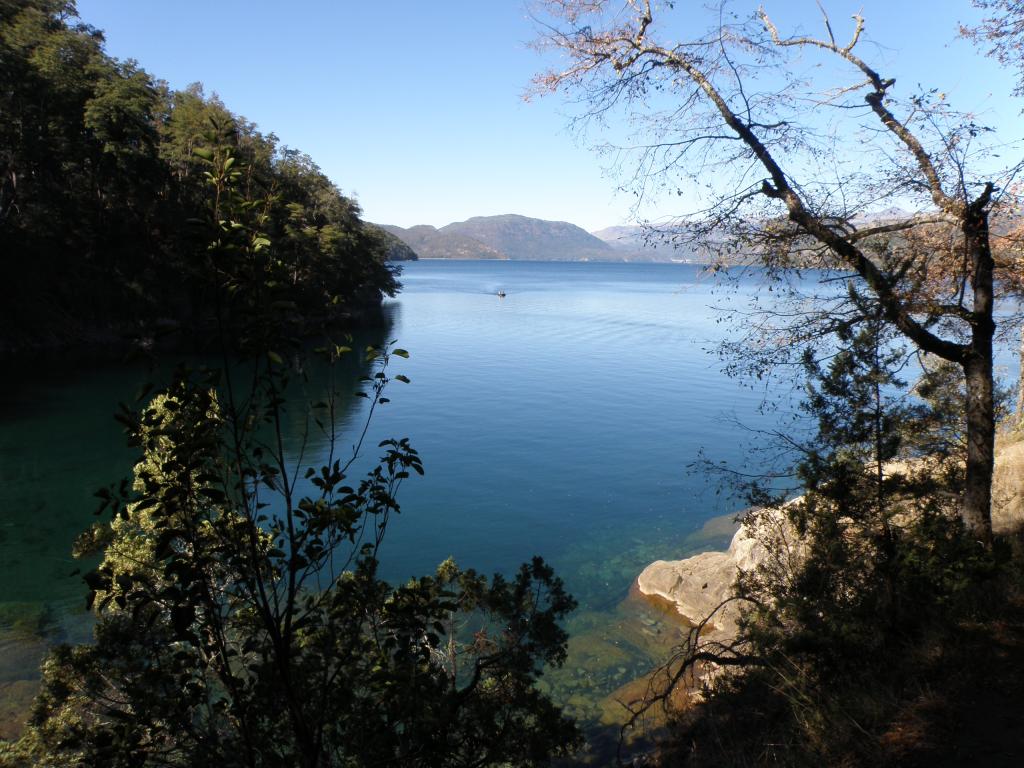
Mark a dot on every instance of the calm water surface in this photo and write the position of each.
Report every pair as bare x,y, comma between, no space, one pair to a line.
559,420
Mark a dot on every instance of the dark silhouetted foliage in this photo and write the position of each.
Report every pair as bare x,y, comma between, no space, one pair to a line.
879,571
100,177
240,616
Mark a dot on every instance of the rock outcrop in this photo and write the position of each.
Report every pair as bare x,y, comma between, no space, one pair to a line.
1008,490
698,585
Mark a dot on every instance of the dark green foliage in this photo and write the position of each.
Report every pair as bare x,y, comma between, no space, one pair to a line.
872,570
240,617
880,546
358,674
99,177
231,631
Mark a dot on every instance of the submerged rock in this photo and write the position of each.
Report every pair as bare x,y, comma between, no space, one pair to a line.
16,699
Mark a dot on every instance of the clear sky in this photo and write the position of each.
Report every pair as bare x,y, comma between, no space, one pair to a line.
415,106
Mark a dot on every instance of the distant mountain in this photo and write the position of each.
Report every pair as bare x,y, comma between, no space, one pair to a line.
883,216
526,239
522,238
631,239
431,243
397,249
623,238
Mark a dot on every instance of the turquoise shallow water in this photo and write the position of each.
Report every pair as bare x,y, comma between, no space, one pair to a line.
559,420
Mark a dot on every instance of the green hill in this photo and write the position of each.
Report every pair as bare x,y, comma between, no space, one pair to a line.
527,239
431,243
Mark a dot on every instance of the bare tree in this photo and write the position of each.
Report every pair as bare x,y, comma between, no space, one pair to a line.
1001,32
1001,35
803,173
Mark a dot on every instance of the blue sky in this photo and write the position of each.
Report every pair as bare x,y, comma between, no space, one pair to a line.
415,107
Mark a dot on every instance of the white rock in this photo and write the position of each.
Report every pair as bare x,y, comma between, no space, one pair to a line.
698,585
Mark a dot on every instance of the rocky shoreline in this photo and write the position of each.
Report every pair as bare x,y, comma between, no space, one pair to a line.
698,584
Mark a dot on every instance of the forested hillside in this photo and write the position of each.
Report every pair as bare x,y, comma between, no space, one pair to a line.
525,238
431,243
104,189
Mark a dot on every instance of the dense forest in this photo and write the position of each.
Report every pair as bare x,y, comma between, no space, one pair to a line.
104,194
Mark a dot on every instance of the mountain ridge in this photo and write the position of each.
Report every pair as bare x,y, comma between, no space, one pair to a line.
516,237
431,243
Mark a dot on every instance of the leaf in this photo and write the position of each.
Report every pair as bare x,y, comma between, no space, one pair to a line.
274,357
400,352
182,617
402,378
215,495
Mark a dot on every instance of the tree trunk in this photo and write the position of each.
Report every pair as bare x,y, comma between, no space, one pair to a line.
976,510
1020,385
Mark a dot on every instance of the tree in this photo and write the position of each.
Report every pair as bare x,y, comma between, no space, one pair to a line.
1002,32
873,521
230,634
99,181
795,169
240,617
856,571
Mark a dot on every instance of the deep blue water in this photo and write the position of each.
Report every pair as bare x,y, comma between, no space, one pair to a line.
559,420
562,416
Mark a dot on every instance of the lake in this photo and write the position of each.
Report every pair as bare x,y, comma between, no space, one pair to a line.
559,420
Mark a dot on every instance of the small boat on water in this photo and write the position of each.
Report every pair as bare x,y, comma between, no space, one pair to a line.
501,294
